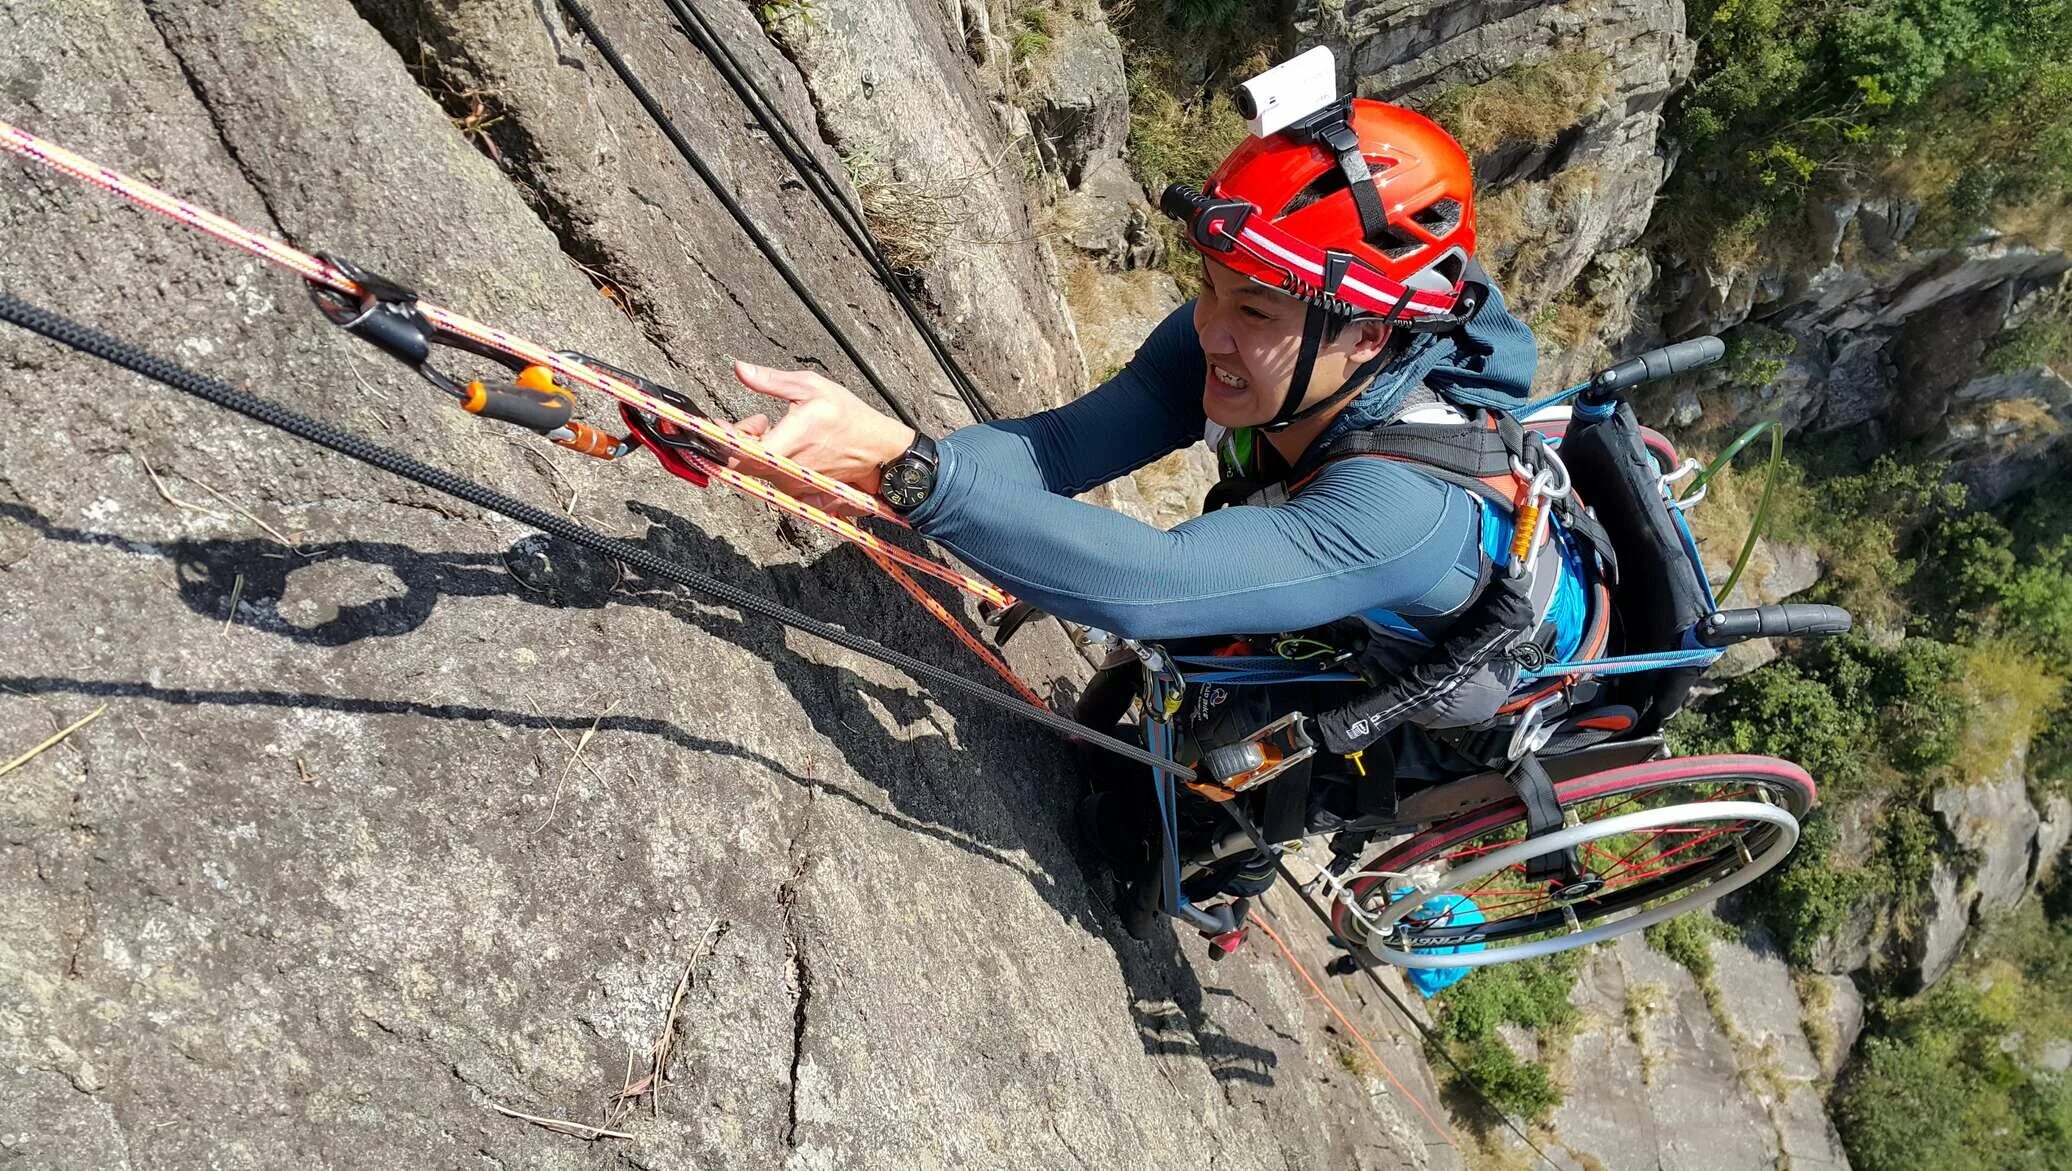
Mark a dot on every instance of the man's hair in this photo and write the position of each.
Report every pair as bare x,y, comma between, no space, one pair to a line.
1399,339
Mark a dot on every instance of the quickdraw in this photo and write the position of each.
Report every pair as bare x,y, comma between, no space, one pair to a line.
395,319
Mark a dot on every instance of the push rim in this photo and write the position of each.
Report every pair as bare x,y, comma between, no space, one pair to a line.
1699,832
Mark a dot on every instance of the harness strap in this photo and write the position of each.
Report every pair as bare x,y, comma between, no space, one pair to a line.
1498,618
1542,816
1476,456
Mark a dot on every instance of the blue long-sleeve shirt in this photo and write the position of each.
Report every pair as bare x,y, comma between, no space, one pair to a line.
1361,534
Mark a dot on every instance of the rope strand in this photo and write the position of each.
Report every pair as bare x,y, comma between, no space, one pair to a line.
79,337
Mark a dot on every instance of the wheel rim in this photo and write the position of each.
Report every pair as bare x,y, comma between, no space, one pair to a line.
1643,822
1630,865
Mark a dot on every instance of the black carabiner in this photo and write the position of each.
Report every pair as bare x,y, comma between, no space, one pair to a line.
387,314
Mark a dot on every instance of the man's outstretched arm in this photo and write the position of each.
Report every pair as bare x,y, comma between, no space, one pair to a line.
1362,534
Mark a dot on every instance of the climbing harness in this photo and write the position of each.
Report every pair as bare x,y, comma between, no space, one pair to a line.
393,318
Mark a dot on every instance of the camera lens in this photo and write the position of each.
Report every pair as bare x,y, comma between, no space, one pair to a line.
1247,106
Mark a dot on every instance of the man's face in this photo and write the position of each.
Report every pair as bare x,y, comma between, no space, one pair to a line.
1252,335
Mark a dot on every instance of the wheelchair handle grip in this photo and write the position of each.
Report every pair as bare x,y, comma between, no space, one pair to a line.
1674,358
1785,620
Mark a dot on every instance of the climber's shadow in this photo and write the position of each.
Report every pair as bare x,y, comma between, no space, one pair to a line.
884,731
933,785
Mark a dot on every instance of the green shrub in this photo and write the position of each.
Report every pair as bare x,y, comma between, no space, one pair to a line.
1530,993
1934,1086
1510,1084
1780,711
1807,898
1908,693
1687,939
1210,15
1965,104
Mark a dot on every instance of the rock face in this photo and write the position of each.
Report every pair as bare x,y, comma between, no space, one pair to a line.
398,815
1670,1074
923,113
1078,107
1589,187
1996,833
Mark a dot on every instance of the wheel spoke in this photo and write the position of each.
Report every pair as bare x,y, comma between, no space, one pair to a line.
1474,851
1737,827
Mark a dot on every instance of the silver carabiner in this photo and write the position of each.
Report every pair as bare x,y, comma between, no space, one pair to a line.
1532,732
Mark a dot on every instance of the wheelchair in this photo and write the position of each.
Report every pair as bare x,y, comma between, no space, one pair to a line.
1562,823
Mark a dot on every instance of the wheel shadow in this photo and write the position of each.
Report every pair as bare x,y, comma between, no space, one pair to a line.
925,778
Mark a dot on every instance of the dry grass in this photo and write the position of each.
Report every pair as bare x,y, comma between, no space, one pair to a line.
53,741
2018,420
2013,694
1525,103
915,220
1642,1002
912,219
1816,1016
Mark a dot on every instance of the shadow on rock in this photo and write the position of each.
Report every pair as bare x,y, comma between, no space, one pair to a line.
925,777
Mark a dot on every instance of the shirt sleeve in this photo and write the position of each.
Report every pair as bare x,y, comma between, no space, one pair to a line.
1151,407
1362,534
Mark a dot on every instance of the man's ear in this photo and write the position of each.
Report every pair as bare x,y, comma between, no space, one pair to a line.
1369,338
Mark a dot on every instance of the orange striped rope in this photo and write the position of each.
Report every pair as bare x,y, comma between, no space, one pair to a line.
322,272
964,635
1259,917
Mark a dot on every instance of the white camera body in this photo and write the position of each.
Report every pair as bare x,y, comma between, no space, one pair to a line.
1289,92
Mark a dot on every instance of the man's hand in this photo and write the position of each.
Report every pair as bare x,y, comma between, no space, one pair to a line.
827,429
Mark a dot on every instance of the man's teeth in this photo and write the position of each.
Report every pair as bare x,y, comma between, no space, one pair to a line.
1228,379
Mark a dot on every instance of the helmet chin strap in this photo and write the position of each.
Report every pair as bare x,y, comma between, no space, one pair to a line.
1314,324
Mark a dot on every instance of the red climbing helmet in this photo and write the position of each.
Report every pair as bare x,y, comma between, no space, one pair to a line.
1362,209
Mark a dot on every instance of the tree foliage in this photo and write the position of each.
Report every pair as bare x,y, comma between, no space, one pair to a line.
1965,104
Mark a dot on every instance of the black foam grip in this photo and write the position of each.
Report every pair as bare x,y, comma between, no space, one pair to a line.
1675,358
1786,620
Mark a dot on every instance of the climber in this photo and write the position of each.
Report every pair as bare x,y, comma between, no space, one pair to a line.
1339,295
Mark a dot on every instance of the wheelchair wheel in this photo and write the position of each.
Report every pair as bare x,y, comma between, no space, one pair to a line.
1654,840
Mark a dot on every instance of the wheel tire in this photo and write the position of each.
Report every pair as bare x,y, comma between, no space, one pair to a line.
1785,783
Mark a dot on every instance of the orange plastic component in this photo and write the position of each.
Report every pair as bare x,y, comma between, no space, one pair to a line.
1528,524
589,440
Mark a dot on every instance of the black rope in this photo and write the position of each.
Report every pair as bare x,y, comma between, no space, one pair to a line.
1433,1042
810,171
89,341
734,208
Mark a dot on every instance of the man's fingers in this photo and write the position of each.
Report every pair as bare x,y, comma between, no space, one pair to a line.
789,436
793,386
753,425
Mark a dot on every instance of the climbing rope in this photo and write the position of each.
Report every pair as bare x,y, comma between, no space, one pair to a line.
407,327
815,176
89,341
1258,918
726,199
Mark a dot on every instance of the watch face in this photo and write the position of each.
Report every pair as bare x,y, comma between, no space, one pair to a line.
907,483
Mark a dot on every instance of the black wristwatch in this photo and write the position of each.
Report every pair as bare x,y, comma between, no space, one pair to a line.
908,479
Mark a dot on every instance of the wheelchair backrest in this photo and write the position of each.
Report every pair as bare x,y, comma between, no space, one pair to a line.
1661,591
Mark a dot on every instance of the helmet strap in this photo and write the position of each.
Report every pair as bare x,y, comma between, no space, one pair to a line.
1333,126
1314,323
